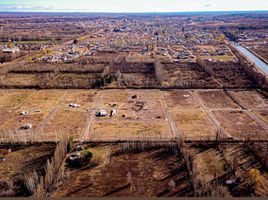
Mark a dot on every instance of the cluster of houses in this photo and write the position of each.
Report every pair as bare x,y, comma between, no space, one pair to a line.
222,50
10,50
66,55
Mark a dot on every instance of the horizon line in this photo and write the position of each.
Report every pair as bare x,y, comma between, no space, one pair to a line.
136,12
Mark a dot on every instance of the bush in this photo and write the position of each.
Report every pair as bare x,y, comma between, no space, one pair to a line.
87,154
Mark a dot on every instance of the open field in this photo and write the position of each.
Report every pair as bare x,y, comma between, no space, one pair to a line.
140,114
181,100
11,98
217,99
70,120
39,106
262,114
114,130
240,125
194,124
249,99
189,117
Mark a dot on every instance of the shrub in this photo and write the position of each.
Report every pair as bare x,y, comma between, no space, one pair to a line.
87,154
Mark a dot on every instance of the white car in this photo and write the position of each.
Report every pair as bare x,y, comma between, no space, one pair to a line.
26,126
74,105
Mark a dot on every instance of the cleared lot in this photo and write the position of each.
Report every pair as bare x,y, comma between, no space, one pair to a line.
140,114
216,99
194,124
69,120
38,107
190,119
11,98
240,125
262,114
114,130
250,99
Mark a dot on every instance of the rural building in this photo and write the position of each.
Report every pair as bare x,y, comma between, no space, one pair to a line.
102,113
11,50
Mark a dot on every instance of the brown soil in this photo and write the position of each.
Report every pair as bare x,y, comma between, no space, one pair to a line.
150,173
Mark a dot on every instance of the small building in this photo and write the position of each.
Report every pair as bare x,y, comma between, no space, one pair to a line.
26,126
24,113
102,113
74,105
11,50
113,112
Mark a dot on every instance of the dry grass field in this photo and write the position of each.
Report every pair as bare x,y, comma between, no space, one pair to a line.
9,99
189,117
262,114
181,99
250,99
140,114
194,124
240,125
69,120
39,106
216,99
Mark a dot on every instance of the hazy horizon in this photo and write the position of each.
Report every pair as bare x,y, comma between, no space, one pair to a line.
130,6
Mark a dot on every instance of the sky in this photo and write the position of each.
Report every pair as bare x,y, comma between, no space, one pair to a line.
131,5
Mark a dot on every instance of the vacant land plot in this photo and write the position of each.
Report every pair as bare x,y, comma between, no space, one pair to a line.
194,124
240,125
250,99
66,122
38,107
20,161
3,114
84,98
11,98
141,174
262,114
69,120
180,100
116,130
216,99
140,114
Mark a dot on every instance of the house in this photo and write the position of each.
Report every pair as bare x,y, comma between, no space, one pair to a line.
11,50
102,113
113,112
24,113
26,126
